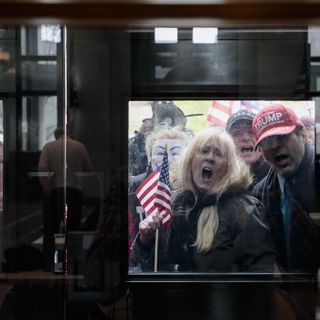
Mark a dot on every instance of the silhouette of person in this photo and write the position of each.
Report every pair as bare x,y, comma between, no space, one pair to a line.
61,164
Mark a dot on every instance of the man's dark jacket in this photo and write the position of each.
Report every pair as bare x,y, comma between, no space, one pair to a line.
302,251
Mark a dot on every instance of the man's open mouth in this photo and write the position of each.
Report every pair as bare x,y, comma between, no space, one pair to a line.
281,159
246,149
206,173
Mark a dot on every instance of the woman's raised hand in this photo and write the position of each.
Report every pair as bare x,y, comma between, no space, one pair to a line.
148,227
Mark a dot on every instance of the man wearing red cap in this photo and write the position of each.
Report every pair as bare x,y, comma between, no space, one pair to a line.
288,190
288,193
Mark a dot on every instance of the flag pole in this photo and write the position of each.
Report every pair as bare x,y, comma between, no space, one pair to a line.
156,239
156,244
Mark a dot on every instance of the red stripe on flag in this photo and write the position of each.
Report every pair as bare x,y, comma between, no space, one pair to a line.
147,192
219,112
221,106
146,180
164,190
216,121
148,203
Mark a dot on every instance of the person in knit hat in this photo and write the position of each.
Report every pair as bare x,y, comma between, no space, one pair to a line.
239,126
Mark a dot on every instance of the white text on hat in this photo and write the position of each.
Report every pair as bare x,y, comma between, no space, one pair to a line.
267,119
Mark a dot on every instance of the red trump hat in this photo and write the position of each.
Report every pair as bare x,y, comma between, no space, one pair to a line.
274,120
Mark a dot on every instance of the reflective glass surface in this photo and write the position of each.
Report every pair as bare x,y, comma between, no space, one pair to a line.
76,127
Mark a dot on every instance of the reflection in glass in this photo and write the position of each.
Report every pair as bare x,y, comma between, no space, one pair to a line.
1,156
7,65
40,40
40,75
39,119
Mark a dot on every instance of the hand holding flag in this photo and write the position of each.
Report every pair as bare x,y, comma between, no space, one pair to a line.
148,227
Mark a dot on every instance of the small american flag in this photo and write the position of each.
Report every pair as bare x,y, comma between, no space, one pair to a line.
154,192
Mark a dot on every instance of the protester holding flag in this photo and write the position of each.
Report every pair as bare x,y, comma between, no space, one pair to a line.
217,225
174,141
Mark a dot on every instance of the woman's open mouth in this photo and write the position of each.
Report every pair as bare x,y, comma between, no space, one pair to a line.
206,173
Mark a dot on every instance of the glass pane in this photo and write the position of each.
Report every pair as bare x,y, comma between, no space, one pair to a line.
7,33
1,156
40,40
185,66
317,124
67,223
99,61
313,39
315,76
39,120
172,126
40,75
22,214
7,65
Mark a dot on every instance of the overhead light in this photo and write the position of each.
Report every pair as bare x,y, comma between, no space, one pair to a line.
204,35
165,35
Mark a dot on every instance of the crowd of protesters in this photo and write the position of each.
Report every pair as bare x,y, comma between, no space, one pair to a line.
255,168
241,200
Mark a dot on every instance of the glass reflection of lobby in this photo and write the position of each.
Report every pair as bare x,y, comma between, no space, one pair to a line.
81,79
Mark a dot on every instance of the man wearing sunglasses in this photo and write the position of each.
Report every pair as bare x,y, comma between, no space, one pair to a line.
288,190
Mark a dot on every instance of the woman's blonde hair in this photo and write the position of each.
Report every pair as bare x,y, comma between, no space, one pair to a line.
237,174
